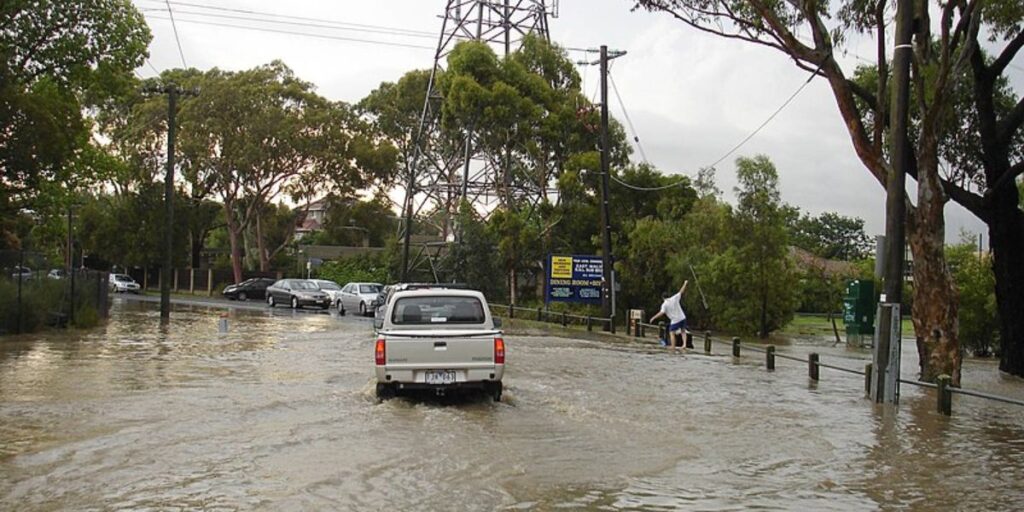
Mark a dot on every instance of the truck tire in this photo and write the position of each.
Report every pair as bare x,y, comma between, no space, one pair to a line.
496,391
385,391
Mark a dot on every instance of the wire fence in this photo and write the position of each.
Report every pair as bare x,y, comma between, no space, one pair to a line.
35,294
638,330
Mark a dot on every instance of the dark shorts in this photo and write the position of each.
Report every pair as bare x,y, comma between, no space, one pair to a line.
678,326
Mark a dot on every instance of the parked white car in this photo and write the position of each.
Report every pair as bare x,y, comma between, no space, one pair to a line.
438,339
123,283
358,297
332,289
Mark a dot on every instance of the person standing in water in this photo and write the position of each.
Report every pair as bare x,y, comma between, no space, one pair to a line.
672,308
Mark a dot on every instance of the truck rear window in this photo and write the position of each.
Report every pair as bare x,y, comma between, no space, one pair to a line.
433,310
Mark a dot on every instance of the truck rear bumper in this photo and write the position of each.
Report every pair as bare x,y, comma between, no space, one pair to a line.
464,377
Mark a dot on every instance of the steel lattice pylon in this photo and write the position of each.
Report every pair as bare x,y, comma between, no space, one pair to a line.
443,171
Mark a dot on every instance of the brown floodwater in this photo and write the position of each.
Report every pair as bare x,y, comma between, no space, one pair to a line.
279,414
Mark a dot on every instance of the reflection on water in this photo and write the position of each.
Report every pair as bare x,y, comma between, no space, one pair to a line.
278,413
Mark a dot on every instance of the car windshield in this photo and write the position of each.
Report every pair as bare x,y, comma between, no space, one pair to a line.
438,309
328,285
122,278
304,285
369,288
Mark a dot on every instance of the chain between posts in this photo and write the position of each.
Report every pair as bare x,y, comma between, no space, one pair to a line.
943,392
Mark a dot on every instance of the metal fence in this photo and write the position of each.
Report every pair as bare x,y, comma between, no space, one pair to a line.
195,281
640,330
34,294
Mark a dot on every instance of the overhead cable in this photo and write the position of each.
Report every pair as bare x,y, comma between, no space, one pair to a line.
734,148
303,34
174,25
629,121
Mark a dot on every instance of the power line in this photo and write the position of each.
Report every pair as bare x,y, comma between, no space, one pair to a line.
176,38
386,31
304,34
736,147
629,121
343,25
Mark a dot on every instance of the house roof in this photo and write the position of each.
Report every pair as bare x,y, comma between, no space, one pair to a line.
806,260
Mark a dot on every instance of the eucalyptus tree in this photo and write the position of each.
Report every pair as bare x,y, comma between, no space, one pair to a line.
58,59
813,33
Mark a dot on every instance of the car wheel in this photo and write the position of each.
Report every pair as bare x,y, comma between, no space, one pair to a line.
362,309
385,391
243,297
295,303
270,301
341,308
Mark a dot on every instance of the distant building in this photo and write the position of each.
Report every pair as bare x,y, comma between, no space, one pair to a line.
313,220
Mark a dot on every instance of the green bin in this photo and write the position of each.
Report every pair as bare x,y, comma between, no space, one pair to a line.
859,307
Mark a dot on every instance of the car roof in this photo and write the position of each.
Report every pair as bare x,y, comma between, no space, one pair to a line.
434,292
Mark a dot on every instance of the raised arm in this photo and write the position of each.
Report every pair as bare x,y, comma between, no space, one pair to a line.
682,291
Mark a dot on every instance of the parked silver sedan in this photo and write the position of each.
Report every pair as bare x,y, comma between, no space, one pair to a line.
358,297
297,293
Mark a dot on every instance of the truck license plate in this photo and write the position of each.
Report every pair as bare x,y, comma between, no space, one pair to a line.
440,377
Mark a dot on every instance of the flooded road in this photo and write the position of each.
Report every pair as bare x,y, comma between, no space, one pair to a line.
279,414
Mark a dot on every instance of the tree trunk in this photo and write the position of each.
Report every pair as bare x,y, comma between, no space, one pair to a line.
261,246
197,241
233,240
936,303
1006,238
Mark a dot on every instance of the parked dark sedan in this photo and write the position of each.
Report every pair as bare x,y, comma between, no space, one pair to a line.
255,288
297,293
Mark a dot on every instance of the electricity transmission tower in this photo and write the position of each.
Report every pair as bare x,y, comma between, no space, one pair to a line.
445,170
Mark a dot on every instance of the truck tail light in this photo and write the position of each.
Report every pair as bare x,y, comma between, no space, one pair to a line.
379,352
499,351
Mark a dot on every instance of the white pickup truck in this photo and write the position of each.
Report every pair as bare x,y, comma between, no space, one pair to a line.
438,339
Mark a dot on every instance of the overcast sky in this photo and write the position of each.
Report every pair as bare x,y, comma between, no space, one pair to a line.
691,96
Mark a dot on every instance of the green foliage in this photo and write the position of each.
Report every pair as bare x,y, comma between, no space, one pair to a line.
58,59
642,264
830,236
473,259
372,268
752,285
979,317
350,223
41,300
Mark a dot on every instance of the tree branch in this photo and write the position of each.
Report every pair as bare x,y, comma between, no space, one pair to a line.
999,65
1011,123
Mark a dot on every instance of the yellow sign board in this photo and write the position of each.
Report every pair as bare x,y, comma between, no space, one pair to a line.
561,267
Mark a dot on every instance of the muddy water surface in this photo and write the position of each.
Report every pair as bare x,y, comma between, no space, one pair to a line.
279,414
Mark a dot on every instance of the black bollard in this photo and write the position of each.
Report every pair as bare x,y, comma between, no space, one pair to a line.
812,366
689,340
867,378
945,396
540,311
736,347
511,311
769,355
590,323
707,342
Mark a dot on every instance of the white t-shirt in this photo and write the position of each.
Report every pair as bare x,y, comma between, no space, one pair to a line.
673,309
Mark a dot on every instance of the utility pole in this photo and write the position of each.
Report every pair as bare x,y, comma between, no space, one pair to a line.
885,383
173,92
71,271
607,261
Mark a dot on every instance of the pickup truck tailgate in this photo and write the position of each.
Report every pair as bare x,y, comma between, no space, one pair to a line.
426,349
